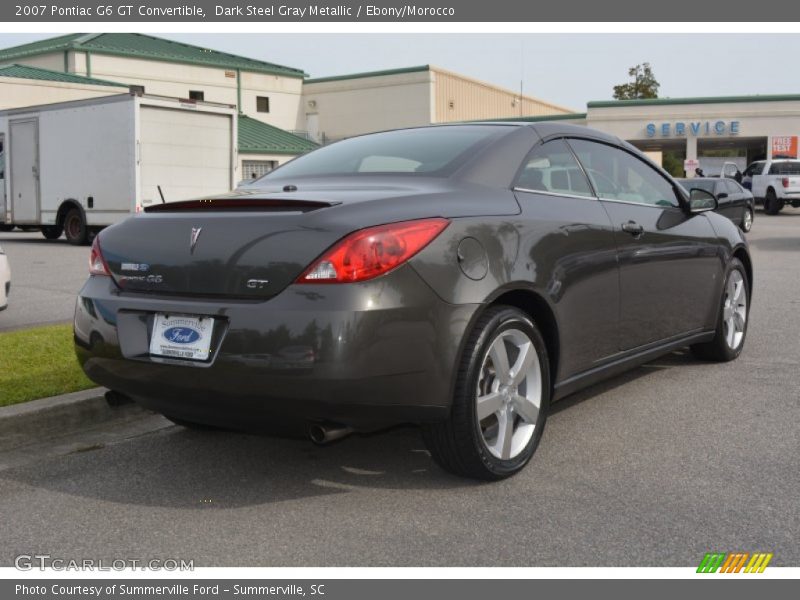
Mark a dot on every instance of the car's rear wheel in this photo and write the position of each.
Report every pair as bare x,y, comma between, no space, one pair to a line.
772,204
5,227
747,220
500,401
732,320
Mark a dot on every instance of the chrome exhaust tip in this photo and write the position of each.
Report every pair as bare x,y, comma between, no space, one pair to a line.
325,433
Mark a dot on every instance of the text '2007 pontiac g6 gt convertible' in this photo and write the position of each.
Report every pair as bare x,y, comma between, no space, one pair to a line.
461,277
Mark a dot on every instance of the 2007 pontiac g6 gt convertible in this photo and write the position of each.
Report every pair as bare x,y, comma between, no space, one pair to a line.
461,277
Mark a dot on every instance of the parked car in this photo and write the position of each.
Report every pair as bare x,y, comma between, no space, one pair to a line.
774,183
5,279
733,200
461,277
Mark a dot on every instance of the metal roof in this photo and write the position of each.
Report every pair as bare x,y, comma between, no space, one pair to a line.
256,137
537,118
26,72
699,100
371,74
137,45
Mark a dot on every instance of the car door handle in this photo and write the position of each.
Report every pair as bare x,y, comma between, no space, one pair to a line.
633,228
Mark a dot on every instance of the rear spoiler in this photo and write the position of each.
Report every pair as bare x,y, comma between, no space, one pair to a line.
240,204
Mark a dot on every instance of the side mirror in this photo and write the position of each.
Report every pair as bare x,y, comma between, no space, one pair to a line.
701,201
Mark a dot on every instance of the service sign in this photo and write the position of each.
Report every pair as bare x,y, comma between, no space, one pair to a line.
784,146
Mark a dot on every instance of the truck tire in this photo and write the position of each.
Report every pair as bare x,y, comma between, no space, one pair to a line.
772,204
52,232
4,227
75,228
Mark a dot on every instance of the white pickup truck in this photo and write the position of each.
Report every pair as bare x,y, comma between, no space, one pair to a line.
775,183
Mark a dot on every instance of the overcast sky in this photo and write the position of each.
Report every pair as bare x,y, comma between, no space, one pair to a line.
567,69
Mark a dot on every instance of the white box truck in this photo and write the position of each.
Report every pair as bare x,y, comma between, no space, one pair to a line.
76,167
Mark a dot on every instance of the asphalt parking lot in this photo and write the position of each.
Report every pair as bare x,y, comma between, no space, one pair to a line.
46,275
653,468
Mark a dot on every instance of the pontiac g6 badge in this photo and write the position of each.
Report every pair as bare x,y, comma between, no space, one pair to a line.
193,241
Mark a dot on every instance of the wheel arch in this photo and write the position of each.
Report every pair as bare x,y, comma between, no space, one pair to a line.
743,255
539,310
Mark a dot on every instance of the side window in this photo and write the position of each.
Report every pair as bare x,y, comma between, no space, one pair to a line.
618,175
551,167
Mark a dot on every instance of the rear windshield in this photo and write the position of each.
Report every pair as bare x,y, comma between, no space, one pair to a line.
703,184
789,167
429,151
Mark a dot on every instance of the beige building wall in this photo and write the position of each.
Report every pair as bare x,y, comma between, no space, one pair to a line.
53,61
460,98
347,107
343,107
217,84
17,92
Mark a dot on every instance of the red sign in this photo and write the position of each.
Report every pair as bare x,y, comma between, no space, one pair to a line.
784,146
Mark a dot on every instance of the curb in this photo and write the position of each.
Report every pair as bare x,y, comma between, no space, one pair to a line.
34,421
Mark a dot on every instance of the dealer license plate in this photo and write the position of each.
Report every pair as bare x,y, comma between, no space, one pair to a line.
181,336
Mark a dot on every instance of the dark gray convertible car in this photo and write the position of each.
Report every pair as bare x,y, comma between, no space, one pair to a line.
462,277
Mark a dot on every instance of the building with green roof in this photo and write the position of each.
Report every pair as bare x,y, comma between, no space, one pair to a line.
24,85
265,91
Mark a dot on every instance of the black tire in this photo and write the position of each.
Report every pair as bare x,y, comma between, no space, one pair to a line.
718,348
772,204
75,228
747,224
6,228
458,444
52,232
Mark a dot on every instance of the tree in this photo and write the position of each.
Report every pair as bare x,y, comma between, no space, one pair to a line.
644,84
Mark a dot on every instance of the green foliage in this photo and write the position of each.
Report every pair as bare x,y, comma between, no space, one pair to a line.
642,86
39,362
673,164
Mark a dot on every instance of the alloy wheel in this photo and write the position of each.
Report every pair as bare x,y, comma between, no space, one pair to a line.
734,310
509,394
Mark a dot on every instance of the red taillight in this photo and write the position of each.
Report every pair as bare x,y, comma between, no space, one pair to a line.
97,264
371,252
785,182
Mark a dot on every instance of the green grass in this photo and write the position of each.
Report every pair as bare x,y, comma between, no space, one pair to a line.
39,362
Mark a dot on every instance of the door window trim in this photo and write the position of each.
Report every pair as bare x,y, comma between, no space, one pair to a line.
678,196
539,144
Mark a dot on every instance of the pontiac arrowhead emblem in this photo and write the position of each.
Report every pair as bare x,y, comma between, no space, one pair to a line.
193,241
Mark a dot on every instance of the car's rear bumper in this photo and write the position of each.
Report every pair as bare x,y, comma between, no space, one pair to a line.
365,355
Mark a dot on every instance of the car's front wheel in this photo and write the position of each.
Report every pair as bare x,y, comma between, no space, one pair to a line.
500,401
732,320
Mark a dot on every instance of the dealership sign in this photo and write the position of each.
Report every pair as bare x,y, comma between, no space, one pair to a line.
692,128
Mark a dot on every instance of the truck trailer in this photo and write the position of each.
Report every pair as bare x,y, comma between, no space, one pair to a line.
76,167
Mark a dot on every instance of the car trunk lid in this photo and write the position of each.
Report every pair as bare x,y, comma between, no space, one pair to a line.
249,248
